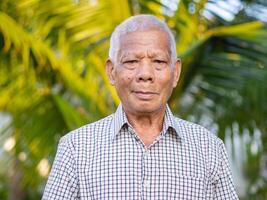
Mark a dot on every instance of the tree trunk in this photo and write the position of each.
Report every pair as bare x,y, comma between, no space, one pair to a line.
16,189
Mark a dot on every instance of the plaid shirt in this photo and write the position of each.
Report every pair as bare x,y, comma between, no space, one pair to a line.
107,160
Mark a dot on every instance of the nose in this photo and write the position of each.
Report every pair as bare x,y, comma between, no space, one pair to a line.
145,72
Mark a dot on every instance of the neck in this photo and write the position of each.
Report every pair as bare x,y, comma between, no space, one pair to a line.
147,125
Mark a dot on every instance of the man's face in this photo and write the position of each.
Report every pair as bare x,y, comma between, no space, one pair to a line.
143,73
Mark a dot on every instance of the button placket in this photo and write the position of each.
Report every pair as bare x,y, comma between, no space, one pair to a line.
146,183
146,178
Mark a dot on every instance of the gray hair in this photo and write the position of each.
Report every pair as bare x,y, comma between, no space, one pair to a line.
140,23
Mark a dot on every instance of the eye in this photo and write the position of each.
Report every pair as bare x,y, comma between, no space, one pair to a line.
159,64
130,64
160,61
130,61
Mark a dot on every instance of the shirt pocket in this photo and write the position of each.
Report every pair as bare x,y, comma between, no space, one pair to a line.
184,187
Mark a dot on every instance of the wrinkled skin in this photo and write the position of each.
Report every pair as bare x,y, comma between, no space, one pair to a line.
143,73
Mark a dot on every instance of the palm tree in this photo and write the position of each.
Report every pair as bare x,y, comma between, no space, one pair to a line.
52,56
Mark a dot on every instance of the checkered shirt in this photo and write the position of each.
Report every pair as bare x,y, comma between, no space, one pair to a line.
107,160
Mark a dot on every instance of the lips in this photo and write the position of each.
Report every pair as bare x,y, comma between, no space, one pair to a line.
145,95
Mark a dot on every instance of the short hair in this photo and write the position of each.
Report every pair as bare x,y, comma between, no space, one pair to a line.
140,23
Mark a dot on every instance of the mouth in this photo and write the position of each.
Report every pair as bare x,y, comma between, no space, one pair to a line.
145,95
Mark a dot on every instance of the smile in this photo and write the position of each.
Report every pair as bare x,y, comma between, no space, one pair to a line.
145,95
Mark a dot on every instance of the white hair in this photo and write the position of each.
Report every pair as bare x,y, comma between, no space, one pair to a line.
140,23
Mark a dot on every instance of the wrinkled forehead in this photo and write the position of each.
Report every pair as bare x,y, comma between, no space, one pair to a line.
150,53
151,42
140,54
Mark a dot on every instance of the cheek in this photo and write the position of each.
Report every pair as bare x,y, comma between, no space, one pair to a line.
125,77
165,80
124,80
165,84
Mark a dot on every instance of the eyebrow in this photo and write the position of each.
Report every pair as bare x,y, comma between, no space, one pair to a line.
159,54
140,55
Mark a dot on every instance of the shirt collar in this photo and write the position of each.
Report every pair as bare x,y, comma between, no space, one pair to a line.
120,119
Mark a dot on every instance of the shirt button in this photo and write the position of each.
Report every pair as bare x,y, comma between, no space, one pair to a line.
146,183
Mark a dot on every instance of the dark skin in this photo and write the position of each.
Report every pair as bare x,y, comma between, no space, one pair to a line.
144,76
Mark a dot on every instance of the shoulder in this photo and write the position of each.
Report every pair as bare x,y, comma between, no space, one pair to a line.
207,145
88,132
196,133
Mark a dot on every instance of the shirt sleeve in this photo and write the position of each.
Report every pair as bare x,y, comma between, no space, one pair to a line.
224,186
63,181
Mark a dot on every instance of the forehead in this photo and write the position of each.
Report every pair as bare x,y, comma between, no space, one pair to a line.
140,54
154,42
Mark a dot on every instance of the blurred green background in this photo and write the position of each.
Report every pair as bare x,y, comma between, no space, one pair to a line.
52,80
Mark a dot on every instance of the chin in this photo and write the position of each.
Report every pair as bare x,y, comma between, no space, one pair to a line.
147,107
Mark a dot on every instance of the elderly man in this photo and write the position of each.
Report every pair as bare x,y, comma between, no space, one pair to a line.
141,151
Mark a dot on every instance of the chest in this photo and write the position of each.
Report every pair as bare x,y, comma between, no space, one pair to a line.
125,170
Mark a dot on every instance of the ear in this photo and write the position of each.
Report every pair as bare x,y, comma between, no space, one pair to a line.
177,72
110,70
